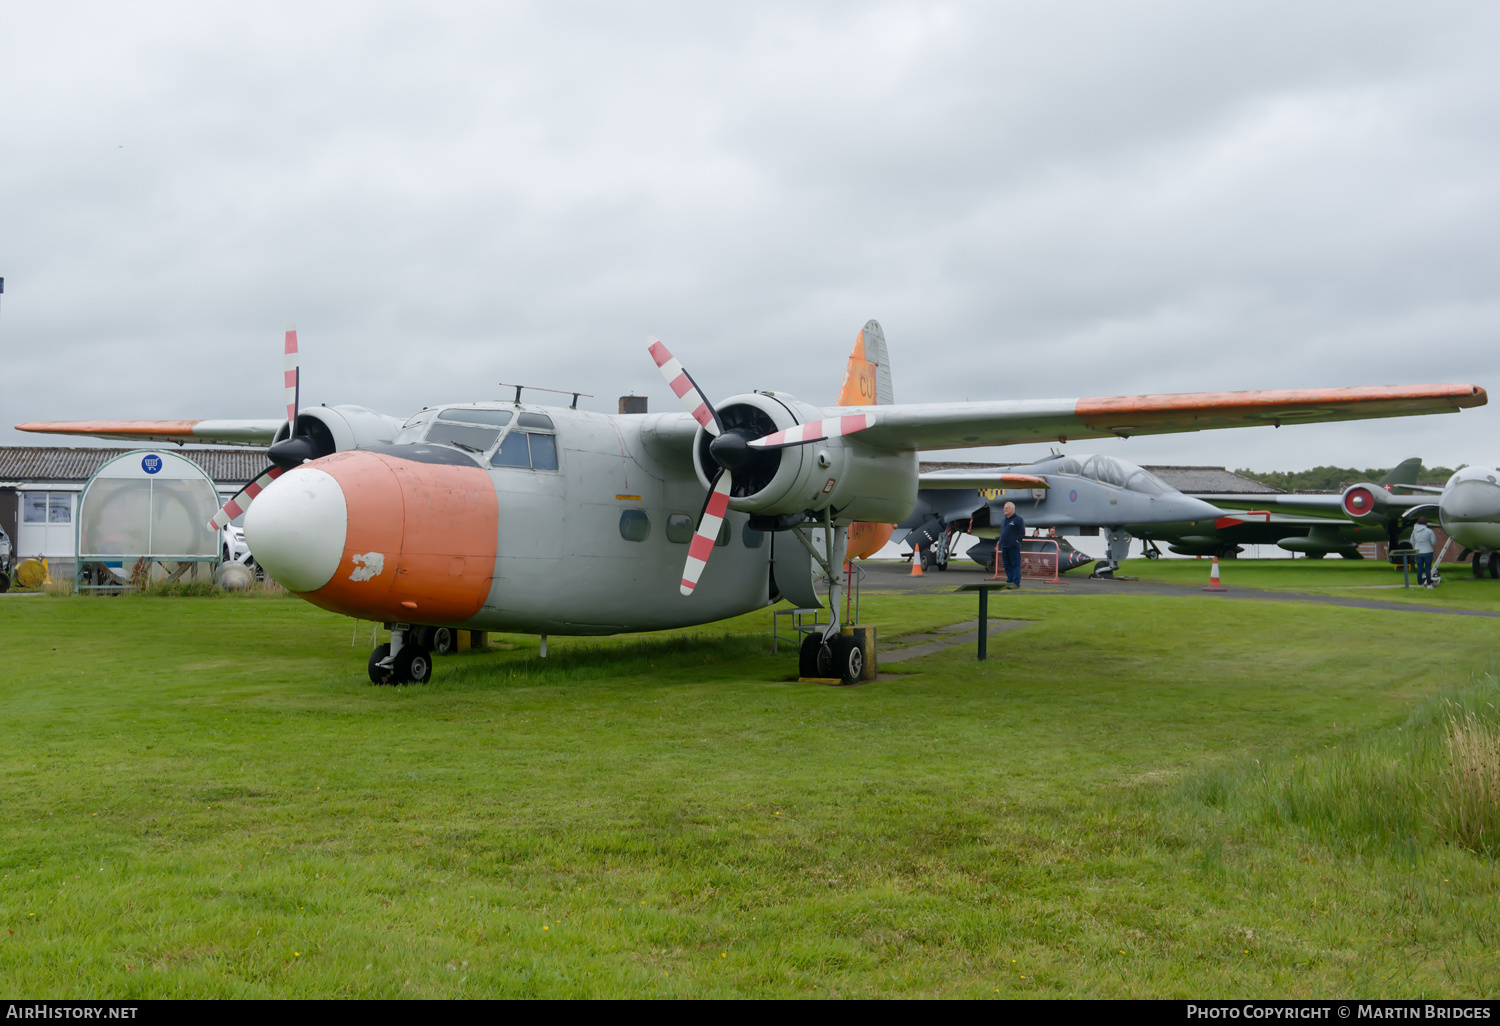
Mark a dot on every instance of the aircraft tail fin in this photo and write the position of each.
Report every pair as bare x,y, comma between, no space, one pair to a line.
1405,473
867,379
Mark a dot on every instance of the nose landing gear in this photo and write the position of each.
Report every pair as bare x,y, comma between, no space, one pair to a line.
402,661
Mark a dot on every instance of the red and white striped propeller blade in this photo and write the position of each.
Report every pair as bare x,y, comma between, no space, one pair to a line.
708,531
815,431
684,386
293,377
234,507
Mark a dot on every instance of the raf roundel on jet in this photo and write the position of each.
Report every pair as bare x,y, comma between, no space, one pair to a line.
506,515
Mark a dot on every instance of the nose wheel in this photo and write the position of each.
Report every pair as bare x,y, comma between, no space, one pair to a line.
412,663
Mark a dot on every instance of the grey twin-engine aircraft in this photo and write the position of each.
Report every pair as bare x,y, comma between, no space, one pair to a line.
1078,494
512,516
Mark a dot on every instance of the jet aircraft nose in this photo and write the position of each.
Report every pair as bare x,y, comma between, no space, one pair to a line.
1179,507
382,537
1468,499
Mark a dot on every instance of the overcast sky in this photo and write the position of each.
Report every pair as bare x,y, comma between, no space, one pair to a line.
1035,200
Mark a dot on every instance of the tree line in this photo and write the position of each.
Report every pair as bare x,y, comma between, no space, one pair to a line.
1332,479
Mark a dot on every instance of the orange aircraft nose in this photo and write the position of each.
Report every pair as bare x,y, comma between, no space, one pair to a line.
379,537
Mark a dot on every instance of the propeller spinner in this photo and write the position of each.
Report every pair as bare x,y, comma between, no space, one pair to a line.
732,449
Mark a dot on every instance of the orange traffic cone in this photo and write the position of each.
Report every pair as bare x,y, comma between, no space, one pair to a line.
1213,578
916,564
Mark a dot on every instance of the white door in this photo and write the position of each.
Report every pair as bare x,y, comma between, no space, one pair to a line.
46,525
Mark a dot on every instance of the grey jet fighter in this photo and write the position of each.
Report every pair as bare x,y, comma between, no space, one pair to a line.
1074,495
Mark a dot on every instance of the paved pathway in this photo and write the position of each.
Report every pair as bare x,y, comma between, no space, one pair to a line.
945,637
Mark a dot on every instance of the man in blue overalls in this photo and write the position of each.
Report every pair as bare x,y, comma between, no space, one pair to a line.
1012,530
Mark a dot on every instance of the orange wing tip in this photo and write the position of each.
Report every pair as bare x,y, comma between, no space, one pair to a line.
112,427
1024,479
1268,404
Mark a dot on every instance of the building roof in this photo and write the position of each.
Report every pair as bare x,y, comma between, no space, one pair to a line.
60,463
1210,481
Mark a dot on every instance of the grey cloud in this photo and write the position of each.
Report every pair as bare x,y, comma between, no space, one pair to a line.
1035,200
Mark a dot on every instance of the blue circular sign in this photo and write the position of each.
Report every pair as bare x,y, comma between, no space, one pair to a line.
1073,495
151,464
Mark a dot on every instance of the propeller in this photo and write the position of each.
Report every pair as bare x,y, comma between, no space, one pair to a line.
731,449
291,451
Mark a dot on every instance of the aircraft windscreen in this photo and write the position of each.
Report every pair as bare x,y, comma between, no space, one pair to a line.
1105,469
1147,483
411,431
1066,465
499,418
461,428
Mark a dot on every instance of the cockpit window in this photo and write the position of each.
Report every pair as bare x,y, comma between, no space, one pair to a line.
1147,483
529,444
1066,465
468,437
498,418
1106,469
411,431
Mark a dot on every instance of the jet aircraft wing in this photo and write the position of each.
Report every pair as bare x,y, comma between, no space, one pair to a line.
963,425
217,432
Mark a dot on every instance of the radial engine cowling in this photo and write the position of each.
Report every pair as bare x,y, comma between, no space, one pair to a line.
324,430
1364,503
856,481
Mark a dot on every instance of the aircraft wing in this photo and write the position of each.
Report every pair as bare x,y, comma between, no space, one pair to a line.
219,432
964,425
1309,505
980,479
1298,505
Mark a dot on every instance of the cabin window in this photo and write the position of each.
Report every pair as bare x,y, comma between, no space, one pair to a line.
679,528
752,537
635,525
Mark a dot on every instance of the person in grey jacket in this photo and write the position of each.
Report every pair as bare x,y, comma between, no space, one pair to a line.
1422,539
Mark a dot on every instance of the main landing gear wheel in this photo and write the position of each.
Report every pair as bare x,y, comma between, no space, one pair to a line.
807,655
1477,562
413,665
847,660
1495,565
379,674
442,640
842,658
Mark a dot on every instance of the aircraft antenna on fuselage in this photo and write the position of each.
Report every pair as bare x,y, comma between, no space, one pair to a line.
539,388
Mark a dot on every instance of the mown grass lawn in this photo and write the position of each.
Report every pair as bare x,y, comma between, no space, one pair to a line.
1346,578
206,797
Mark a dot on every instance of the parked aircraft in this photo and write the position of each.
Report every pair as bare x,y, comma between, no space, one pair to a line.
1467,506
1310,524
506,515
1068,493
